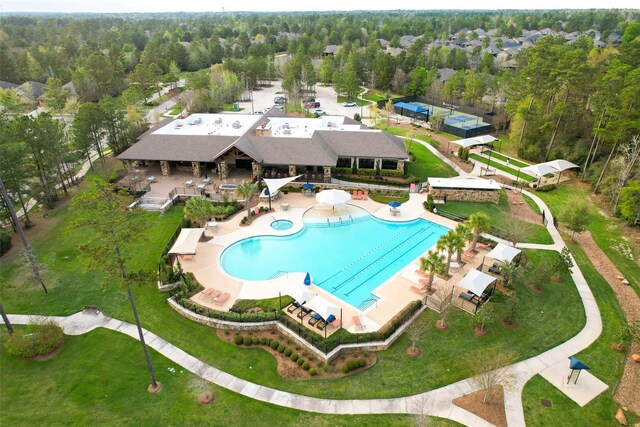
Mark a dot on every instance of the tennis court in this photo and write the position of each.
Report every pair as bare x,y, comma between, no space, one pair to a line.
454,118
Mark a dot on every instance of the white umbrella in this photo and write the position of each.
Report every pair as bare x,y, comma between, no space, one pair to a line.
333,197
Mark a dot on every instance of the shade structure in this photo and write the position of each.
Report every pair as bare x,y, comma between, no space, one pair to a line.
333,197
561,165
476,281
323,307
307,279
574,363
395,204
504,252
476,140
541,169
187,241
299,293
276,183
307,185
410,107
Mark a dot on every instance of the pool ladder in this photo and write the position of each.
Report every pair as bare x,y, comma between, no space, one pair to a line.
274,219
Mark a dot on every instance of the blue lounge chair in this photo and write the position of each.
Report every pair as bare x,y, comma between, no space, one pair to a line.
315,318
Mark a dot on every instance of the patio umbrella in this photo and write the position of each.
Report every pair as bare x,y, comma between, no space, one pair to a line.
576,365
333,197
307,185
299,293
307,279
395,204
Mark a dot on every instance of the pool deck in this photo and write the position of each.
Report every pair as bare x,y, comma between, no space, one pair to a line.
395,293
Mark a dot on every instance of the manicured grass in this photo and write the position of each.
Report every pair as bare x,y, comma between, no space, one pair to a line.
71,288
229,107
387,199
605,364
359,102
608,232
100,378
426,163
532,204
269,304
502,167
512,161
173,111
536,233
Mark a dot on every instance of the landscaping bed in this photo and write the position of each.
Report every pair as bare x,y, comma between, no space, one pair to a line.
294,361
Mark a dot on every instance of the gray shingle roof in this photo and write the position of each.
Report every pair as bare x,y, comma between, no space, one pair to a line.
288,151
193,148
363,144
7,85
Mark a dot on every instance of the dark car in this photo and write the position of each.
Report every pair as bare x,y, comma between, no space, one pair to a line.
280,100
312,105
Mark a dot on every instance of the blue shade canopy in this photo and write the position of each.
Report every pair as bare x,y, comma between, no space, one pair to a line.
395,204
309,185
574,363
307,279
410,107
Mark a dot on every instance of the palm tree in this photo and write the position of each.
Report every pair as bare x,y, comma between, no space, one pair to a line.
433,263
509,270
463,235
478,223
198,209
247,189
448,244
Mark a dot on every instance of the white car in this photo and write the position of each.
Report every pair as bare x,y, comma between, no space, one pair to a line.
350,104
318,112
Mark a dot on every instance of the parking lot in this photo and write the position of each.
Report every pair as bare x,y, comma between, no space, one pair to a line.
326,96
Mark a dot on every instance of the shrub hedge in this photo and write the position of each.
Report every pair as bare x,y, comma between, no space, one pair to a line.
39,337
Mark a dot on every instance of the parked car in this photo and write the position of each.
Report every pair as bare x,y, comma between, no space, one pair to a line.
280,100
313,104
350,104
309,100
318,112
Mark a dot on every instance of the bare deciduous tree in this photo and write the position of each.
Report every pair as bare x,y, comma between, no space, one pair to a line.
491,368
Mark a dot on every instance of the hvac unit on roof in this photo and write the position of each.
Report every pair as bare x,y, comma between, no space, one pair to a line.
286,132
218,121
197,121
331,125
285,126
236,124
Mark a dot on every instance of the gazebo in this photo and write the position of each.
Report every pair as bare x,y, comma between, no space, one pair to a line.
552,167
475,283
326,309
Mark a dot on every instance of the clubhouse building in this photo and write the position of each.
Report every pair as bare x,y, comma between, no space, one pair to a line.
270,146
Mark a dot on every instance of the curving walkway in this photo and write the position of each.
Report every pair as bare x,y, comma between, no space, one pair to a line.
435,403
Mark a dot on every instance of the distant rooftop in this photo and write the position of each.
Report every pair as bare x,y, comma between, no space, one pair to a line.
295,127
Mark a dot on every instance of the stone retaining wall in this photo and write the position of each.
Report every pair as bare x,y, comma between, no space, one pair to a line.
452,194
274,324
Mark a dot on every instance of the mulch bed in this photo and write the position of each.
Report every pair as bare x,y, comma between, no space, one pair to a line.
48,356
479,332
291,370
492,411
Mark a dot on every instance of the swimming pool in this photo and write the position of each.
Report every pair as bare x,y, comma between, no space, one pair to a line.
348,260
281,224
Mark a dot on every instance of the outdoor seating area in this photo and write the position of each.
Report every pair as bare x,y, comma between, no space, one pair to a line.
213,296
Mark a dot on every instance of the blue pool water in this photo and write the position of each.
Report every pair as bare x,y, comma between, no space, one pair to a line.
281,224
349,260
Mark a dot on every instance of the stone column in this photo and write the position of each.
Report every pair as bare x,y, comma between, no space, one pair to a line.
292,170
256,169
224,170
400,165
327,174
195,168
165,169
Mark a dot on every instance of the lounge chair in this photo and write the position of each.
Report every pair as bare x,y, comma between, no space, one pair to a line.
417,290
205,293
321,324
315,318
365,196
357,323
336,323
214,294
222,298
425,282
354,195
293,307
303,313
423,273
466,296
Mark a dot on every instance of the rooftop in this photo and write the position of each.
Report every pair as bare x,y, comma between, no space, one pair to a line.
210,124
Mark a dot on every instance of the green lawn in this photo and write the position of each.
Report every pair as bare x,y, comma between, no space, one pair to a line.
533,205
502,167
608,232
100,378
173,111
536,233
512,161
426,163
71,288
605,364
387,199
